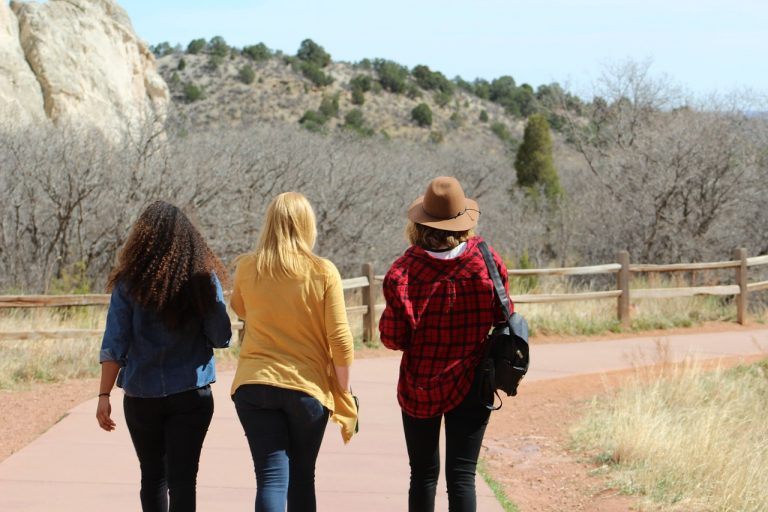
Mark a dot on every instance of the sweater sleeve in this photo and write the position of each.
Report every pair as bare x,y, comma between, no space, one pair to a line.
337,330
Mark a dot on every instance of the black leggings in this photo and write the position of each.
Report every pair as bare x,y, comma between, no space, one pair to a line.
168,435
464,431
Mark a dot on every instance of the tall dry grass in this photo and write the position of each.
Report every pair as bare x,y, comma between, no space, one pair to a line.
24,361
686,438
590,317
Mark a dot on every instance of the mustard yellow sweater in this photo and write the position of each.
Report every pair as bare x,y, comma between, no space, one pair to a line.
295,330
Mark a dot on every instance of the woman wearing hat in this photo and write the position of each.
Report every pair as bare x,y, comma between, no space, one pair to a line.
440,308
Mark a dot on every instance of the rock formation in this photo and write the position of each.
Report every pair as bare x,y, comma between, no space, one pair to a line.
76,61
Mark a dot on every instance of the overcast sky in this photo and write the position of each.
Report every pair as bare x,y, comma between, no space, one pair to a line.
703,45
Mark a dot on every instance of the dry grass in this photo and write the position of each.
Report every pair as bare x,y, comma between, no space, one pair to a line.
53,360
686,438
600,316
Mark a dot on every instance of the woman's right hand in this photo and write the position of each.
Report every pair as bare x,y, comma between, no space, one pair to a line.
104,413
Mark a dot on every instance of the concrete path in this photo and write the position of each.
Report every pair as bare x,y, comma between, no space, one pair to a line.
75,466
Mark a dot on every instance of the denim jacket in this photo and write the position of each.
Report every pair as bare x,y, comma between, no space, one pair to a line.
157,361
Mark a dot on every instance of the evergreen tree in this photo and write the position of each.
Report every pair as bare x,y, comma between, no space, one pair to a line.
534,163
310,51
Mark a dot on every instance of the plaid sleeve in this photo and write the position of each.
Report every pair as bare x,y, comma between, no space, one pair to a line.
394,330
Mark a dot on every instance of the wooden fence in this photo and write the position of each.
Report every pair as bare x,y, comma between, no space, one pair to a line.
371,307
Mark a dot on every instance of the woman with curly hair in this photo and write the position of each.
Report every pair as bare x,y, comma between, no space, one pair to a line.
294,363
166,314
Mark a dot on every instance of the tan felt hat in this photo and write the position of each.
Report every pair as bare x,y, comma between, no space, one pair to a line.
443,206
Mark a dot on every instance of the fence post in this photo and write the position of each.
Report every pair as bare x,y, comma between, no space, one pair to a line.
369,299
622,281
741,280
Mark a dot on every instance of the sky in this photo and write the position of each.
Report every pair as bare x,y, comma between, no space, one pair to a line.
703,46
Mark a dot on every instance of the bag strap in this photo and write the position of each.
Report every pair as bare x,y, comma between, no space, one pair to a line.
493,272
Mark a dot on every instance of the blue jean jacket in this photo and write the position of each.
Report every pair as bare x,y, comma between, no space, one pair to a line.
157,361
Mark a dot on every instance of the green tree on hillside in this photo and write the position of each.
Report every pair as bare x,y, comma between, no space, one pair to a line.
218,46
196,46
422,114
534,163
310,51
162,49
246,74
257,52
392,75
431,80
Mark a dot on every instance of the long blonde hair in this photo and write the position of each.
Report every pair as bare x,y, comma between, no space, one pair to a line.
284,249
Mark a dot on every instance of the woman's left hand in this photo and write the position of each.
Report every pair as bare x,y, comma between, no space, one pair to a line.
104,413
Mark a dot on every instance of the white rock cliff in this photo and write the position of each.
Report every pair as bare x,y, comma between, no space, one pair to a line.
76,61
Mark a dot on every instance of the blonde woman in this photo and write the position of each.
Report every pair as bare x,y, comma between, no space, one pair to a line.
294,365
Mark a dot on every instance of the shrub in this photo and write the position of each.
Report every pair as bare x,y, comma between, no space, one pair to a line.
364,64
361,82
482,89
313,72
413,91
161,49
354,118
431,80
392,75
310,51
436,137
358,97
483,116
442,98
463,84
501,131
218,46
355,121
247,75
257,52
175,80
196,46
422,114
214,61
182,64
193,93
329,106
313,120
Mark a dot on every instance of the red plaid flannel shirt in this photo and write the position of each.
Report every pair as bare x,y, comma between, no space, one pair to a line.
439,313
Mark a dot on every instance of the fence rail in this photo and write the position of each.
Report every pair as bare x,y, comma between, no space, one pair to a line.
371,308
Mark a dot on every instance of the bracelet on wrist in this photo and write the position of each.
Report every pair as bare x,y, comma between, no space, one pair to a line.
103,394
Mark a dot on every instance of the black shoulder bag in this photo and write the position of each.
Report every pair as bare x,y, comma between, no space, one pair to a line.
507,358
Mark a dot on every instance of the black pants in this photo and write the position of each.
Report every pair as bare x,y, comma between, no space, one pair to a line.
168,435
464,430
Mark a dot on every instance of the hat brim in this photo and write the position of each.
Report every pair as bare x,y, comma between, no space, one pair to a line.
463,222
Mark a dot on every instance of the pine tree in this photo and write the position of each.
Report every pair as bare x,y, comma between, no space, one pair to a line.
534,163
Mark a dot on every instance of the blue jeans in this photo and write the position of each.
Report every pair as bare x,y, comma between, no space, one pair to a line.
464,430
168,435
284,428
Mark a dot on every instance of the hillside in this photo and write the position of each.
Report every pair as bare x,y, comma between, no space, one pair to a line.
280,93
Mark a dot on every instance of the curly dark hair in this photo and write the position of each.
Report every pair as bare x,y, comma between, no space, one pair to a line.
166,266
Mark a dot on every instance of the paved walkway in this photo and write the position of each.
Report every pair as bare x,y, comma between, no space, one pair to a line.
75,466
